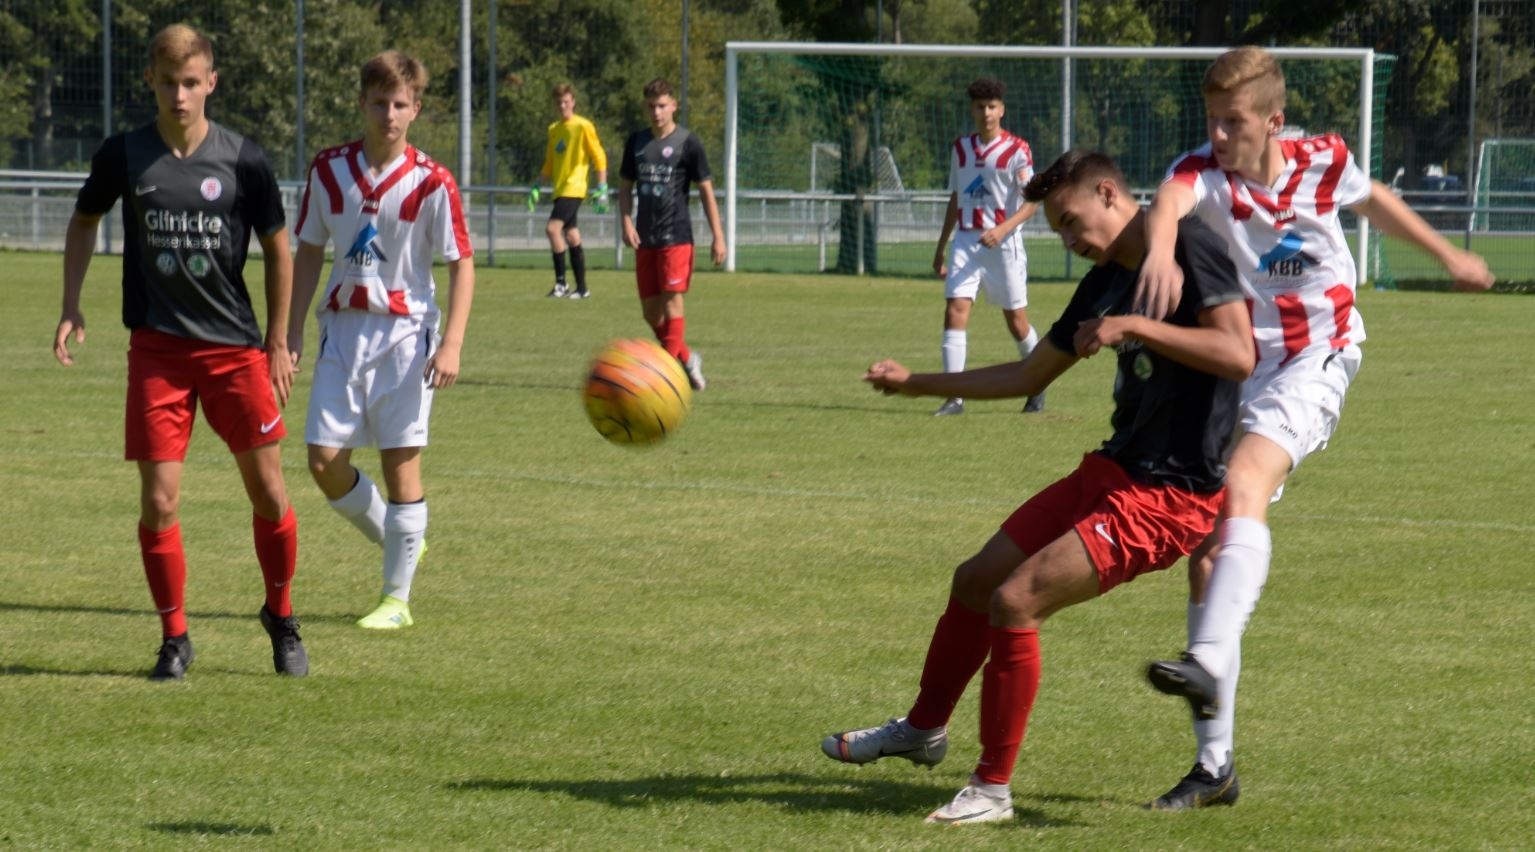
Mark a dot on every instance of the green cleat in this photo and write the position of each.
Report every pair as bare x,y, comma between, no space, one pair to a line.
392,614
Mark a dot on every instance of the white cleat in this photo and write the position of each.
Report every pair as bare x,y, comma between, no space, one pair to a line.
895,738
976,803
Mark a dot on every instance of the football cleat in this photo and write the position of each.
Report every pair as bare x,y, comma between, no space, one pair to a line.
559,292
895,738
175,656
391,614
695,368
288,654
1186,678
1200,789
976,803
1035,404
950,407
581,294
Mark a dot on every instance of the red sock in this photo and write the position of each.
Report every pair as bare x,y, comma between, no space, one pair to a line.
660,331
959,646
1008,688
277,551
674,338
165,567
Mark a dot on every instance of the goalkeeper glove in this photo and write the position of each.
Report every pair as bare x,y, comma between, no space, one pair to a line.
600,198
533,198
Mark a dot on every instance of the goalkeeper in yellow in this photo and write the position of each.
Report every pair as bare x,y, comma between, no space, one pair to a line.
573,149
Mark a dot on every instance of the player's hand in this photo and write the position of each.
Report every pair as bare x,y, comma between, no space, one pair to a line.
279,365
631,236
887,377
1159,287
296,347
717,252
1094,334
939,267
442,369
1469,271
533,196
70,323
992,237
600,199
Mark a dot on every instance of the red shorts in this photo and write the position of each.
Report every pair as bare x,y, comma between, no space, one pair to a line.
1129,528
168,375
668,269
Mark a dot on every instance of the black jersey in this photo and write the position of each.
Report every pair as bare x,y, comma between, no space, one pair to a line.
661,170
187,224
1173,424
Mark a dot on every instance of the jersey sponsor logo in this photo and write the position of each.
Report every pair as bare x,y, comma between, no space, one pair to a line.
185,230
365,250
559,147
1286,259
166,263
144,190
211,188
977,188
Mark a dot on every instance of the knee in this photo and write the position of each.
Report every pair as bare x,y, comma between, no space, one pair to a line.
1014,604
158,508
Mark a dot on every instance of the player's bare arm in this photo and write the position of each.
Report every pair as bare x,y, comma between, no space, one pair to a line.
998,381
1220,345
442,369
277,261
625,212
1391,215
994,236
1160,285
950,219
307,263
712,212
79,246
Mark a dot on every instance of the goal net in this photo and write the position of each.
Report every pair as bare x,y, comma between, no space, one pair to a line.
837,155
1505,186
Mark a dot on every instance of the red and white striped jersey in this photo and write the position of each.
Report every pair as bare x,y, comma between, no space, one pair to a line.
989,179
385,231
1287,242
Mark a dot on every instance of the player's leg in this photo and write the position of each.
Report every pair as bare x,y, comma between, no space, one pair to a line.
348,490
959,289
1007,287
554,229
405,521
577,254
676,280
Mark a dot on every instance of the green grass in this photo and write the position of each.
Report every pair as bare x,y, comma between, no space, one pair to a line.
623,648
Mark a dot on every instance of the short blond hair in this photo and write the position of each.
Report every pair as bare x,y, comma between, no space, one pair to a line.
1252,68
392,69
177,43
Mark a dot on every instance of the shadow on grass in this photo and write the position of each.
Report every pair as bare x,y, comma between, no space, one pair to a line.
790,791
8,606
219,829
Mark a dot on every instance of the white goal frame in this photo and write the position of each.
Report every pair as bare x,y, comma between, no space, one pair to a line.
733,50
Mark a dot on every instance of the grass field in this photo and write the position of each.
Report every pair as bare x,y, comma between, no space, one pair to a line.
623,648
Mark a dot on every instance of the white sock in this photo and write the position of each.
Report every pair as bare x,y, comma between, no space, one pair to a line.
955,344
1241,569
404,528
1216,737
363,506
1026,345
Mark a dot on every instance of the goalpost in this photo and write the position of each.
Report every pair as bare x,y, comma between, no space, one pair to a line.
881,104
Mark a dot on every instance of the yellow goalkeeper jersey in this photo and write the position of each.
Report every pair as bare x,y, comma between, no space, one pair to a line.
573,150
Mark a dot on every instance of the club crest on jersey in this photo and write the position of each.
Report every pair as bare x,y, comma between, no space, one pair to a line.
977,188
211,188
1287,259
667,151
365,249
559,147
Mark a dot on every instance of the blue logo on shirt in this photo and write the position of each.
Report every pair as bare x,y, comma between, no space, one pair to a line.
977,188
365,249
559,147
1286,258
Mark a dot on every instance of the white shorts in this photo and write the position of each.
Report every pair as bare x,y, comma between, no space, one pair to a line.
1004,270
369,387
1298,405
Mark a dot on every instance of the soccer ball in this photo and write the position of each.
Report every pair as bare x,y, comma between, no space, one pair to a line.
636,393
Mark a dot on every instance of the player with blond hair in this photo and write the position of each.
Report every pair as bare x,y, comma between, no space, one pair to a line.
573,150
387,208
193,193
1275,202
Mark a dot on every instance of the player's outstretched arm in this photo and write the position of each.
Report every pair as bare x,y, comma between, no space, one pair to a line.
998,381
1222,343
712,213
1391,214
950,219
278,263
1160,284
307,263
442,369
79,246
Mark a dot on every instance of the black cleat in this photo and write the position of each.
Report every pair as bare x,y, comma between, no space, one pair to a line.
1186,678
1200,789
175,656
288,655
1035,404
